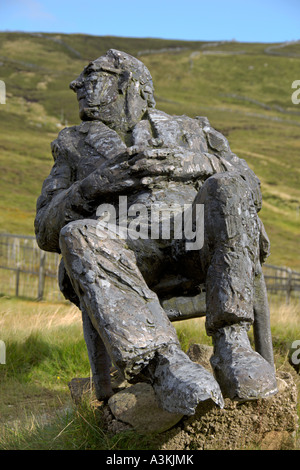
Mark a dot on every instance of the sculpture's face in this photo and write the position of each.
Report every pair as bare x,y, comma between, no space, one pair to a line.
97,92
115,89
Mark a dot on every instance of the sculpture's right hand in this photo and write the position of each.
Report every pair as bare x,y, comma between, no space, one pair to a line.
112,177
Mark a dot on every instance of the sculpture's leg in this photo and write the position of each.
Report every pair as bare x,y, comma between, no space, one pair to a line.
99,359
127,315
231,259
261,326
121,307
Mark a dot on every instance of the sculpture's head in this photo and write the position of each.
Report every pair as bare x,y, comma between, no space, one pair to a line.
116,89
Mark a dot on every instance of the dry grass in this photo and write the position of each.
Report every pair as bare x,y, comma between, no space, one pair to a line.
284,314
44,350
23,318
285,320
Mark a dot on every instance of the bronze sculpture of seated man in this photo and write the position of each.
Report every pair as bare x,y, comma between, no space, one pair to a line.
126,148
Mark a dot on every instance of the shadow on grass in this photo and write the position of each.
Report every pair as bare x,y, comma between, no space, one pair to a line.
74,428
36,354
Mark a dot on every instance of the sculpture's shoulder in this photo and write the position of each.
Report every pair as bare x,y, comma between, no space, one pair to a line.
196,134
88,139
199,149
65,142
177,131
216,141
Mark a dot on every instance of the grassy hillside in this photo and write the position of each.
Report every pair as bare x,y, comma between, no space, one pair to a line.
244,89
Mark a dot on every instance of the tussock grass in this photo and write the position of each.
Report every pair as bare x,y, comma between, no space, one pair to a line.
77,428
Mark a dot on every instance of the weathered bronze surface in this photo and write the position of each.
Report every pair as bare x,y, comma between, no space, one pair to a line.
125,147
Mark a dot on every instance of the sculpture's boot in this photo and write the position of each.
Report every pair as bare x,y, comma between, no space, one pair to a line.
242,373
181,384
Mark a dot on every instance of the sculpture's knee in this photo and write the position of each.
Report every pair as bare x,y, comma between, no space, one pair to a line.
66,234
72,228
227,188
75,231
229,210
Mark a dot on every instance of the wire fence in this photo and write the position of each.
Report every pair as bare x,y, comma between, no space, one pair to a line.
29,272
26,270
282,281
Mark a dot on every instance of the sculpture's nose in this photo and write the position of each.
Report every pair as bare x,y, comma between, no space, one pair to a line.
76,84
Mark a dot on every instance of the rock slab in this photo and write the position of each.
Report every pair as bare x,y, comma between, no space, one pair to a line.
137,406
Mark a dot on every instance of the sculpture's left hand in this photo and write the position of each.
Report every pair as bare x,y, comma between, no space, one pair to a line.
153,162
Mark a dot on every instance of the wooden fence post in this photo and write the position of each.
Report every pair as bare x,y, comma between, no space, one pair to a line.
289,285
2,352
17,281
41,283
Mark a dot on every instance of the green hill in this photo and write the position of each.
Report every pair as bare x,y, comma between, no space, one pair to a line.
244,89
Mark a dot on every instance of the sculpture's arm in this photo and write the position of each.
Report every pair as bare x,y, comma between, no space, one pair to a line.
129,171
219,146
60,202
163,163
234,163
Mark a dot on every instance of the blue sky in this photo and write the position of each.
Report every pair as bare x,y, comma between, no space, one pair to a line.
243,20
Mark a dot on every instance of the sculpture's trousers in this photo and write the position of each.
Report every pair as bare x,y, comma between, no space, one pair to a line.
121,307
230,256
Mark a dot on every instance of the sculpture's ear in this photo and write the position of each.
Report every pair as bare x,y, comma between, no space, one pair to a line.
124,80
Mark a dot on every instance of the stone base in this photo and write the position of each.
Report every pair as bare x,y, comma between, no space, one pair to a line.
268,424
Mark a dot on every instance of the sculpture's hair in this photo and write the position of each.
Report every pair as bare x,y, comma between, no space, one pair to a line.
129,68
